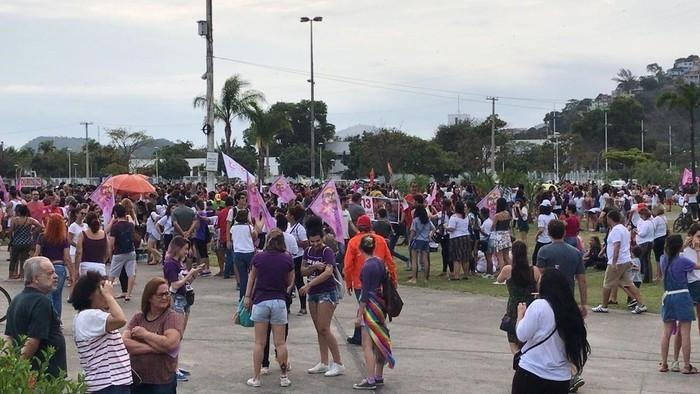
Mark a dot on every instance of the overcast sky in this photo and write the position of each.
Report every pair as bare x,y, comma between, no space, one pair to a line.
137,64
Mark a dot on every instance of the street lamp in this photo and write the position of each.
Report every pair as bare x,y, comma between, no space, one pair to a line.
157,177
311,81
75,170
69,166
320,158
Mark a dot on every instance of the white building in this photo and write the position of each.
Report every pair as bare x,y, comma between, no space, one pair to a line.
341,149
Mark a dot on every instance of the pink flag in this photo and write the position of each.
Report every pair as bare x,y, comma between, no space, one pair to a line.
687,177
258,207
489,201
280,187
433,194
3,189
103,196
327,207
234,169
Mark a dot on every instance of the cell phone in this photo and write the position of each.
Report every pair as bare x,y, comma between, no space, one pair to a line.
535,295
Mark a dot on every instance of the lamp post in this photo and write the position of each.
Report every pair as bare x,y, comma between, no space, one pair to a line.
606,140
205,30
311,81
75,170
157,176
69,167
320,159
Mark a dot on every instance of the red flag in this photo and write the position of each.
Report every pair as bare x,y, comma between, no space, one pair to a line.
371,176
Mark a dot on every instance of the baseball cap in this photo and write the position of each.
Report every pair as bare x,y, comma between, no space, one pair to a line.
364,221
545,203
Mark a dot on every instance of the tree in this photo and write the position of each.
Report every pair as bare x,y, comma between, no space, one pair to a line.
655,69
626,81
172,164
264,128
235,102
128,142
298,115
686,98
245,155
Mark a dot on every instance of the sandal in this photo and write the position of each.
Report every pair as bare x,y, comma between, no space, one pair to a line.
690,370
663,367
675,367
127,299
119,296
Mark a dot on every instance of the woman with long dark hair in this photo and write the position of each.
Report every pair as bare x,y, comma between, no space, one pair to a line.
21,239
418,240
677,304
521,279
555,336
92,248
501,224
459,241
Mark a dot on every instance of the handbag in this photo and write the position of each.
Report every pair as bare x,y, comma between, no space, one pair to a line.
519,354
189,296
392,299
507,324
242,315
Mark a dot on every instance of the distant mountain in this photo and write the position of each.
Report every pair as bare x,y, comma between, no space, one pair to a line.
76,145
354,130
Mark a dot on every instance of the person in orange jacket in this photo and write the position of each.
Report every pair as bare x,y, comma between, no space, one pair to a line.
354,259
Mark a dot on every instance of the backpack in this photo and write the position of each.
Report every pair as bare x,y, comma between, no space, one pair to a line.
207,232
392,299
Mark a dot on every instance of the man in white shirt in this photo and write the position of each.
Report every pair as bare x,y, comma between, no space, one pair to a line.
619,271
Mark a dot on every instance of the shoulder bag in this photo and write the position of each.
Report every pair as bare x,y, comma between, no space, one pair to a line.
519,354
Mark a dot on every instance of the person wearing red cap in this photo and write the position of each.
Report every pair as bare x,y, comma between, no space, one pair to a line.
354,260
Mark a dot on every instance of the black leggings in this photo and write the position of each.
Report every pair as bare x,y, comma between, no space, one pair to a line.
645,261
447,262
525,382
124,280
299,281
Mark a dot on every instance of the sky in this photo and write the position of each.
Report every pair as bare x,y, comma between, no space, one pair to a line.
402,64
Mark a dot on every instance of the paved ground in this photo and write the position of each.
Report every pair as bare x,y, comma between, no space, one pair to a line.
444,342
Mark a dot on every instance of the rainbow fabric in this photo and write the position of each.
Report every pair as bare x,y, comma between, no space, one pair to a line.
375,321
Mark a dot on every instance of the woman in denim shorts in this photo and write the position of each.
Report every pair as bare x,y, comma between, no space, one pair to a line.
319,265
422,230
271,274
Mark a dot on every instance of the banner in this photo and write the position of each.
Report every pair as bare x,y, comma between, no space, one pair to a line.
489,201
27,181
258,207
103,196
3,189
280,187
327,207
235,170
373,204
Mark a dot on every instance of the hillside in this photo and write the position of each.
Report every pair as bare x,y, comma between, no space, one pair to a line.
76,145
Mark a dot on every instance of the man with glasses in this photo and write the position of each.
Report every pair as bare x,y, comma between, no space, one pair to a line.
32,315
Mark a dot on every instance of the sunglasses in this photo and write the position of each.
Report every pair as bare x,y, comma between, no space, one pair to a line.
162,295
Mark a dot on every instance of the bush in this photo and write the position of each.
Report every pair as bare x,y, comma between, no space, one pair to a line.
17,375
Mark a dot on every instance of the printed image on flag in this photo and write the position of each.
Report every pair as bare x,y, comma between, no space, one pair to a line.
280,187
327,207
103,196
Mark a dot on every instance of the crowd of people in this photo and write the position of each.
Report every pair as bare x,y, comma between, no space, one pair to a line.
58,239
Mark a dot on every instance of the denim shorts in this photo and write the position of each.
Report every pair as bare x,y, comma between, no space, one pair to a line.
328,296
420,245
179,304
694,289
270,311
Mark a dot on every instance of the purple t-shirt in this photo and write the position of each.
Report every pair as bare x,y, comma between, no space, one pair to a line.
272,269
372,276
679,268
323,256
51,251
172,272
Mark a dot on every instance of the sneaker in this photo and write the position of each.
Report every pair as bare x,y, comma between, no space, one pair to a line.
284,381
379,381
184,372
252,382
639,309
318,368
632,304
181,377
364,385
600,309
335,370
353,341
264,371
576,383
205,273
675,366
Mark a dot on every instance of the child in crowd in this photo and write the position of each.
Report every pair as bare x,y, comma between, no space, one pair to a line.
636,273
592,257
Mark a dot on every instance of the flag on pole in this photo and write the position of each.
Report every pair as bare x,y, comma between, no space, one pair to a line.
687,177
327,207
258,208
389,170
235,170
280,188
371,176
433,194
103,196
3,189
489,201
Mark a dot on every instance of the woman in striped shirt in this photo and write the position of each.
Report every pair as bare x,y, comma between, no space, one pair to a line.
101,349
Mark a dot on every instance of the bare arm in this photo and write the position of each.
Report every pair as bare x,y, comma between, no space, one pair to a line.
135,347
582,289
505,274
31,346
116,318
79,248
165,343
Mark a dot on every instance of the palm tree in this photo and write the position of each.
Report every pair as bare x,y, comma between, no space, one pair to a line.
626,81
235,102
264,127
686,97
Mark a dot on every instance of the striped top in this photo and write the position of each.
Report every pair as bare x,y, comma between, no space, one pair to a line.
102,354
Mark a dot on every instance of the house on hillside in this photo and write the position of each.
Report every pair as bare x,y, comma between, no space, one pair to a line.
601,101
683,66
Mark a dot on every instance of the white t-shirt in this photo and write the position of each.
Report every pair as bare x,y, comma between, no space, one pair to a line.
346,223
74,230
660,226
151,226
543,222
242,241
299,233
486,227
548,360
291,244
167,223
102,354
645,231
692,255
619,234
460,226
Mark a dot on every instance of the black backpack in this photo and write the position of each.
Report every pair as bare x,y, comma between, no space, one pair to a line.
392,299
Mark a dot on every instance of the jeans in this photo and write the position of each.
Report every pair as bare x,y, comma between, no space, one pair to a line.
242,261
228,265
57,295
573,241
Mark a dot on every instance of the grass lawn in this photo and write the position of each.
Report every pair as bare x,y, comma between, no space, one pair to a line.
651,292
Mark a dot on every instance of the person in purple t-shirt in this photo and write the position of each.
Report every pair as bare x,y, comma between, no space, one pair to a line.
271,275
319,265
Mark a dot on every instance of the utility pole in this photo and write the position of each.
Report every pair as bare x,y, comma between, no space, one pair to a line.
670,152
556,144
642,135
312,82
211,175
87,153
70,167
606,140
493,133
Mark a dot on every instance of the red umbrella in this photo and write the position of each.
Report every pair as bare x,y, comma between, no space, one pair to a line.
131,183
